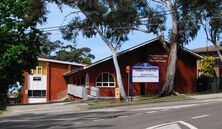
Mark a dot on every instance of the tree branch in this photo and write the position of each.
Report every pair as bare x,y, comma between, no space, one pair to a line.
107,42
75,12
161,2
162,40
141,30
117,42
205,30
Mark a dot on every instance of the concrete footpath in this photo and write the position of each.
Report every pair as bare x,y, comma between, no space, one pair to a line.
44,108
207,96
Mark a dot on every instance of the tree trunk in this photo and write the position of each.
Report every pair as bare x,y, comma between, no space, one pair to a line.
118,75
115,61
3,97
168,88
218,51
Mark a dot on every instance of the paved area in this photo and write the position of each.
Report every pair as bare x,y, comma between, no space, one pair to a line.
207,96
44,108
75,107
201,112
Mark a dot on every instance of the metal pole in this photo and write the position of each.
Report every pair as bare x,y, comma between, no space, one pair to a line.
128,84
159,84
131,89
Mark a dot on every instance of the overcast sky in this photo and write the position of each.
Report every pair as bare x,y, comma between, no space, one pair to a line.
99,49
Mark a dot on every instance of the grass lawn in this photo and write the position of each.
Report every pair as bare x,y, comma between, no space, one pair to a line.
139,100
1,112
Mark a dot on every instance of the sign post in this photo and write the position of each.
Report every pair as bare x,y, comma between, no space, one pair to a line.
128,72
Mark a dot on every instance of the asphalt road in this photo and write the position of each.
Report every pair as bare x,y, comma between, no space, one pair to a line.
193,114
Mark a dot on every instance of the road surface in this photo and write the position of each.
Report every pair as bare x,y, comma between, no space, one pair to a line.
187,114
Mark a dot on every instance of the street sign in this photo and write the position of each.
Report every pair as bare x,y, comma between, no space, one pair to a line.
145,73
127,69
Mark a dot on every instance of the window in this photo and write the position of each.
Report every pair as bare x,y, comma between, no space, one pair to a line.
39,70
37,79
105,80
37,93
32,71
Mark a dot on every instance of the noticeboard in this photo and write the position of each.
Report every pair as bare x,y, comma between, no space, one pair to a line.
145,73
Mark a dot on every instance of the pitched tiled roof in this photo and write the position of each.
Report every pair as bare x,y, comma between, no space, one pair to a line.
210,48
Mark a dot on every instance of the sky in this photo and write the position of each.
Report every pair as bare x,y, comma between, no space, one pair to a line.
98,47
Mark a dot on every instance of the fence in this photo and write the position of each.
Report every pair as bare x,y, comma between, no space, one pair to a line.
213,85
78,91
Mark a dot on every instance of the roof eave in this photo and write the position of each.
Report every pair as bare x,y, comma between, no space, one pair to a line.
61,62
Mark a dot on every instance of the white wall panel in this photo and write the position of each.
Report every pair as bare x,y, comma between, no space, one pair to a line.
37,100
37,85
78,91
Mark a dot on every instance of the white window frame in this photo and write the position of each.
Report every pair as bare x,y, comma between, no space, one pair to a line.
101,74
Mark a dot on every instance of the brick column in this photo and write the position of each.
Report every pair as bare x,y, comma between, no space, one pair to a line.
25,88
48,82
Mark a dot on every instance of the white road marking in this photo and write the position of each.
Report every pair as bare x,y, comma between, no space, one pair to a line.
77,123
98,120
198,117
123,116
167,107
172,125
138,114
151,112
165,110
187,124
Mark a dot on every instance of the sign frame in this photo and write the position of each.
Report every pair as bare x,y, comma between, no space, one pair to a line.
154,73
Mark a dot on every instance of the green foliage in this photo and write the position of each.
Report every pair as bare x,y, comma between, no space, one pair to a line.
70,53
56,50
114,18
211,20
19,40
207,67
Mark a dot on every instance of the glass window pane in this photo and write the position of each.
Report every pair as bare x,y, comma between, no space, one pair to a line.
36,78
43,93
36,93
105,84
98,84
105,77
30,93
111,79
111,84
99,79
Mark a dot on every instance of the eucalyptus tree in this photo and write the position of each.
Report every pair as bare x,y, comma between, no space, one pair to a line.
73,54
184,28
112,20
19,44
211,21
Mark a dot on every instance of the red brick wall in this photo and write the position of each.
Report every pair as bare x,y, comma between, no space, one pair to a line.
24,88
185,77
57,82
